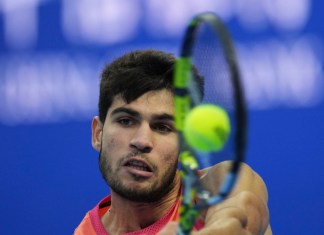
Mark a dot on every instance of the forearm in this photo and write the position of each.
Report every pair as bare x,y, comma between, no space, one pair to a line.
249,180
245,211
249,197
256,202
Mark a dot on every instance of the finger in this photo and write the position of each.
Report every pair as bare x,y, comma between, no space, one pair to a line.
252,207
225,226
256,211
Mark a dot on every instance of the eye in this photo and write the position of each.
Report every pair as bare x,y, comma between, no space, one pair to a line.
163,128
125,121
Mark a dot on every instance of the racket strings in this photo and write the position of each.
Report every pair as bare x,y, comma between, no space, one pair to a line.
207,45
210,60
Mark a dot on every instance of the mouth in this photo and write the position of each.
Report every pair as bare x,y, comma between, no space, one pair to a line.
138,168
138,164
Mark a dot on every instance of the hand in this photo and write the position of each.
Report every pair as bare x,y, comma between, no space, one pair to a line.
223,221
246,206
231,221
228,218
244,212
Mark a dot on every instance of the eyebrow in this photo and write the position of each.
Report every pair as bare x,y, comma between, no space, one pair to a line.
129,111
134,113
164,116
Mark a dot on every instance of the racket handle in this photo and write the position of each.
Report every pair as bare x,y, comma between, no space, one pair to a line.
187,219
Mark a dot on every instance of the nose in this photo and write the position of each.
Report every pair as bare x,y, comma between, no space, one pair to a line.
142,139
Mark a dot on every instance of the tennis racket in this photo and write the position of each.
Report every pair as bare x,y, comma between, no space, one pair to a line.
206,72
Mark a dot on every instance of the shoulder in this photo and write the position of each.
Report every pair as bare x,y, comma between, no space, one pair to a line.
85,227
91,223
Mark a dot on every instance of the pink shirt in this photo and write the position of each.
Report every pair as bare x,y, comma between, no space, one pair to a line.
92,225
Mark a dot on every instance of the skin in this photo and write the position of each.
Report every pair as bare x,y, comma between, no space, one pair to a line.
139,132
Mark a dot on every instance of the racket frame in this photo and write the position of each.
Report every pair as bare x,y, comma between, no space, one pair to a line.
192,187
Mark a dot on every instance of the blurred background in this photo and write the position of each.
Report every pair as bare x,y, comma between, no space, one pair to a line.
51,55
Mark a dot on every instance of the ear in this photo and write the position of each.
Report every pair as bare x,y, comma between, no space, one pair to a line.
97,128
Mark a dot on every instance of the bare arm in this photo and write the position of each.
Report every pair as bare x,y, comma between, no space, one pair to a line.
247,202
244,212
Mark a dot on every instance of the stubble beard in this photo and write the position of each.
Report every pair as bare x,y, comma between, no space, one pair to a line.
152,193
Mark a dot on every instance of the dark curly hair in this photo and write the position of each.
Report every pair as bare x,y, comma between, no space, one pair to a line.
134,74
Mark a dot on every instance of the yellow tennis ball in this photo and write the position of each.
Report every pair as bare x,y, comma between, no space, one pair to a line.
206,128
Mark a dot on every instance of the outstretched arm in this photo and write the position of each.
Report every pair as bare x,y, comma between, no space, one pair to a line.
246,206
245,211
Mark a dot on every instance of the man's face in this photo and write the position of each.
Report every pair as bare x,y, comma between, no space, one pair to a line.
139,151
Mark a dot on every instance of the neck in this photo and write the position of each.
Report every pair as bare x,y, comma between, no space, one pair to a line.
127,216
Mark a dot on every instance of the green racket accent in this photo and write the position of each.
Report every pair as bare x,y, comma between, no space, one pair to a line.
188,160
188,217
180,104
181,99
182,72
188,212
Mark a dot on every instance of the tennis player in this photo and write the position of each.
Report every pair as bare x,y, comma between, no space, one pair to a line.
138,149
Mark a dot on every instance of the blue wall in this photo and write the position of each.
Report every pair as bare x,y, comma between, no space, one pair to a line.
51,54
